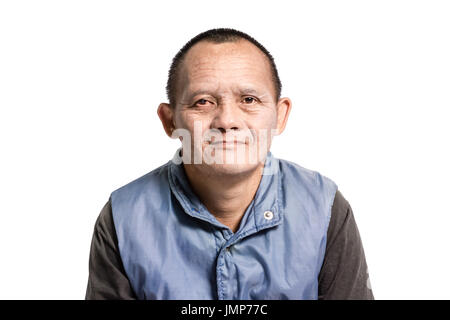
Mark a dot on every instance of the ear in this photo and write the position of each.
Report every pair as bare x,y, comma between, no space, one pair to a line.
166,115
283,109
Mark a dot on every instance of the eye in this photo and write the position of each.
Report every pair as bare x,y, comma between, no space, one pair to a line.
249,100
201,102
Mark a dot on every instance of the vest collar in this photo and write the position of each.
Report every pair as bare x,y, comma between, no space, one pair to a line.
264,211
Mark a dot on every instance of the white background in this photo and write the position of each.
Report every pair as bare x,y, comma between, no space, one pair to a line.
80,82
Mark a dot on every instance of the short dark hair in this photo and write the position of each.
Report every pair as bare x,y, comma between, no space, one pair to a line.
219,35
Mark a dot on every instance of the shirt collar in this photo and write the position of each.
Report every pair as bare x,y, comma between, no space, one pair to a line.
263,212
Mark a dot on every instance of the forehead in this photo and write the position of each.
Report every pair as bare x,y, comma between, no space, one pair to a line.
213,65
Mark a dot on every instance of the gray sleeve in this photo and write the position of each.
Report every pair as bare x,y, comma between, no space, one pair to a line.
344,273
107,278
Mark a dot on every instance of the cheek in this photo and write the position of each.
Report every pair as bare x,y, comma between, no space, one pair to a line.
193,122
263,121
262,128
186,120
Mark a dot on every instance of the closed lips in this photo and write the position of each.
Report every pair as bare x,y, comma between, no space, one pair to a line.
227,142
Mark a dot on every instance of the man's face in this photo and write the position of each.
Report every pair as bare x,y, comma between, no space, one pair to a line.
226,101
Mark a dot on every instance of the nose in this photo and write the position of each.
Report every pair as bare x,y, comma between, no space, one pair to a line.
227,118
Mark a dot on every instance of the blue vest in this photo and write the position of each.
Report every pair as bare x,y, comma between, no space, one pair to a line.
173,248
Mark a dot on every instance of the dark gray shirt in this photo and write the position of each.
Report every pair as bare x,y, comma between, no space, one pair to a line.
344,273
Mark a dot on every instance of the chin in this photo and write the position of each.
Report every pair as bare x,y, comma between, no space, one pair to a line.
226,162
231,169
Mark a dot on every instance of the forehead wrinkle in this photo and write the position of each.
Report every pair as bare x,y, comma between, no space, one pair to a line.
255,77
202,80
225,64
212,61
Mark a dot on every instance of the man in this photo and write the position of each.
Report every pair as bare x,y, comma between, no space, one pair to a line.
225,219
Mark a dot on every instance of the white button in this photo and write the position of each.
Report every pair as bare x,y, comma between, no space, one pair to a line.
268,215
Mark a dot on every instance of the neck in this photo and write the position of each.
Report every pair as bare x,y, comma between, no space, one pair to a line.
225,196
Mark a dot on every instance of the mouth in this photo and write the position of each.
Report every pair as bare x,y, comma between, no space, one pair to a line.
227,144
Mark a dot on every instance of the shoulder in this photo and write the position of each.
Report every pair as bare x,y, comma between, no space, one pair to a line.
310,180
149,182
307,188
306,175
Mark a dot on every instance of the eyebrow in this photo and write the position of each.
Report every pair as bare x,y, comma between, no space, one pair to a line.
212,93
